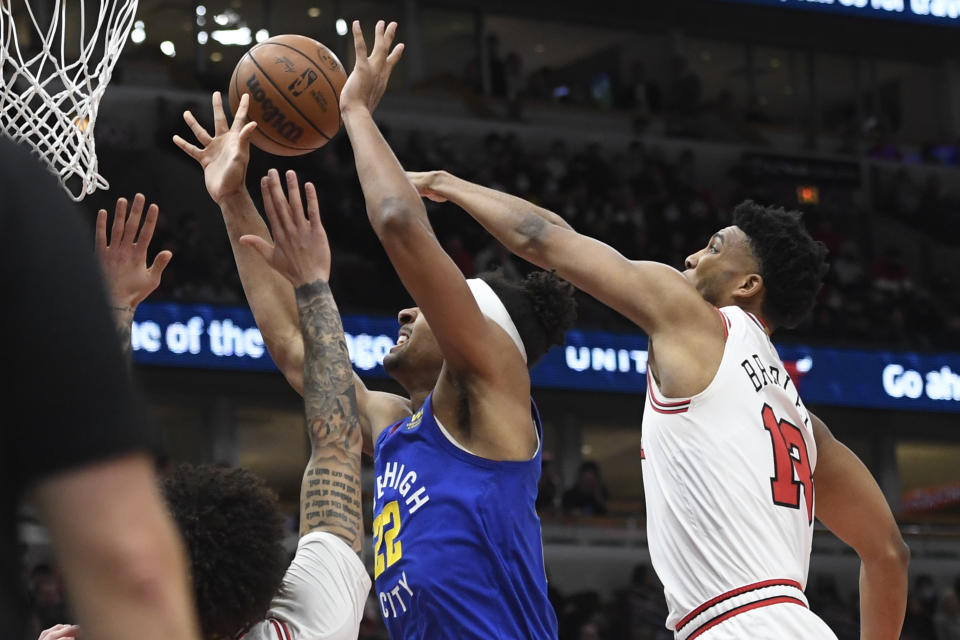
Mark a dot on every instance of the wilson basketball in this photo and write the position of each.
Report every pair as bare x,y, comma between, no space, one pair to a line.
294,84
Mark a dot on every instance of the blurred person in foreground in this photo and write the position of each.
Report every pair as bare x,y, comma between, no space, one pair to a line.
75,440
728,447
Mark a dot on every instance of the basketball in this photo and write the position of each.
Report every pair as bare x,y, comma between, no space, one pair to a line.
294,84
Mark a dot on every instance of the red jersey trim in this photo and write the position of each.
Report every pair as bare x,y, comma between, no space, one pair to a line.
733,593
757,320
726,324
281,629
664,407
766,602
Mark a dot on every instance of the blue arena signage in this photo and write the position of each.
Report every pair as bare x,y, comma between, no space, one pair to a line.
226,338
943,12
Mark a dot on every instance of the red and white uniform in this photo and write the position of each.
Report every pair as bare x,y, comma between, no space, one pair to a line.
729,492
322,595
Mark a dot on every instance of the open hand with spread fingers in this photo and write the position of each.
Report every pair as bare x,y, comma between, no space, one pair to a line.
124,259
300,251
368,80
224,155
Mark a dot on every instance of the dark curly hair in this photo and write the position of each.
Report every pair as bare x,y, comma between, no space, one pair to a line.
232,527
791,263
541,305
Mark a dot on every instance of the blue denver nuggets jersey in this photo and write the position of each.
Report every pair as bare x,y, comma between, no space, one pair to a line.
456,539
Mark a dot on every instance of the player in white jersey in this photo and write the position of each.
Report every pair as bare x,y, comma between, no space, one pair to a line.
730,451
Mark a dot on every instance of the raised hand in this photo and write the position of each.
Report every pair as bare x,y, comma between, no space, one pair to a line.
370,74
300,251
423,181
124,260
225,155
60,632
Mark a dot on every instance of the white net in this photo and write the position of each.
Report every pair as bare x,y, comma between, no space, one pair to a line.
56,59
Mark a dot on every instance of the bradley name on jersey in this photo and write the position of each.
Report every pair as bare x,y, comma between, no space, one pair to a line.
762,374
387,546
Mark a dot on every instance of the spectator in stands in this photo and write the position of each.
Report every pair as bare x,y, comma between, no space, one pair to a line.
947,618
46,598
549,485
497,67
685,88
890,274
640,95
514,85
588,496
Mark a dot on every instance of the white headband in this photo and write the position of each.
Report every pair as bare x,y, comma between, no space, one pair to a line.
492,307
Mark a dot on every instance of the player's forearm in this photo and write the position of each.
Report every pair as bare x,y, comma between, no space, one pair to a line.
152,598
123,562
268,293
392,201
883,595
123,319
330,492
518,224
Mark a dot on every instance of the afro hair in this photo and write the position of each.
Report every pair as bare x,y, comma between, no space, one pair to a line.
791,263
541,305
232,527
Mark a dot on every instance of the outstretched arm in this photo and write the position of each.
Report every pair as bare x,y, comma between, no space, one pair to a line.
635,289
330,493
224,157
124,261
399,219
848,497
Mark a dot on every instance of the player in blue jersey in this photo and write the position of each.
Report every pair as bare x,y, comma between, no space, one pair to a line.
457,544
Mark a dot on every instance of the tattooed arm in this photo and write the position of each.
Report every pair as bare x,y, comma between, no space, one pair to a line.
330,495
124,262
330,492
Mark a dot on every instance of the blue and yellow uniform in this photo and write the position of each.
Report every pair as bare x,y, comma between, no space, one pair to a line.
457,545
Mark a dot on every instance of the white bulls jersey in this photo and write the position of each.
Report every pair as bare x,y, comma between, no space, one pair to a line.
730,501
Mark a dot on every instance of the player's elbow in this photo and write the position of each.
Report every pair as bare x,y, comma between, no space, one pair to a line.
531,236
890,550
145,567
393,218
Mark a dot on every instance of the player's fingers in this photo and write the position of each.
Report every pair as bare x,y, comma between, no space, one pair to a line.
101,239
133,219
191,150
149,224
388,35
293,196
258,244
266,188
358,43
240,119
313,206
247,131
160,262
378,39
220,125
119,217
395,55
203,137
282,205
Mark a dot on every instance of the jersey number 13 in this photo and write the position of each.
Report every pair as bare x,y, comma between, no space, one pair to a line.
790,463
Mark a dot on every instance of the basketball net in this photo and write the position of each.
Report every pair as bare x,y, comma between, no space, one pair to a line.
49,97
